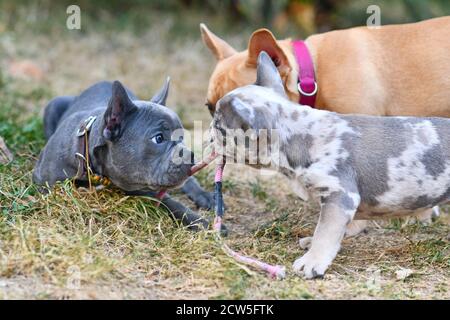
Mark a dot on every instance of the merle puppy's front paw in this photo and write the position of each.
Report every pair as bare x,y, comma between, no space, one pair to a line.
311,265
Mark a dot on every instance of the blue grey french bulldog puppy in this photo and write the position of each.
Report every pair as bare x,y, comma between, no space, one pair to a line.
130,142
355,166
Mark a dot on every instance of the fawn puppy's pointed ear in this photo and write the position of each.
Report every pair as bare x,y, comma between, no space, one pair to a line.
267,74
263,40
161,96
219,48
119,107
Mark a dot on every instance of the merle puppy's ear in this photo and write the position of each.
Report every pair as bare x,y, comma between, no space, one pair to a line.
267,74
161,96
119,107
236,114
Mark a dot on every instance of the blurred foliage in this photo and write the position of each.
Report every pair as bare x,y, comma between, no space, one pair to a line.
285,17
322,15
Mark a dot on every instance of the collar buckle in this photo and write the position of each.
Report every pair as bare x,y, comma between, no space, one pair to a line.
86,126
300,90
307,84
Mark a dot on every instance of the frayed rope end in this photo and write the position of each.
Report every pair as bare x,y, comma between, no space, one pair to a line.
277,272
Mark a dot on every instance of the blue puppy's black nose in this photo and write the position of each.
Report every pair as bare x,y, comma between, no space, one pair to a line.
189,156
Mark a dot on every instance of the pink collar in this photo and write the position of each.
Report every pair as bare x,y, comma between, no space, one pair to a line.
307,85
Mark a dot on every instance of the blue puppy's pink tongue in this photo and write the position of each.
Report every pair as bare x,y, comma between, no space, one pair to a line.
160,195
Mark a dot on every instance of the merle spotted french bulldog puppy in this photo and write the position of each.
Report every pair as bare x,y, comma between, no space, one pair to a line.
355,166
131,143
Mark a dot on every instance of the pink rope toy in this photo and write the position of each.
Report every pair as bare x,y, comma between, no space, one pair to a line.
274,271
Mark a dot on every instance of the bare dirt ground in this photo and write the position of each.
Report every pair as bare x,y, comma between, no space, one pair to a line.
73,244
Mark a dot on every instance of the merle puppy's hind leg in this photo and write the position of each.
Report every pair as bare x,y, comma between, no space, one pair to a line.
53,113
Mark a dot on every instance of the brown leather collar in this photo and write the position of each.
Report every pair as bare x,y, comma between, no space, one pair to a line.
85,167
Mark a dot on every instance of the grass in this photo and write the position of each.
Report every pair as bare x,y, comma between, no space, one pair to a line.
77,244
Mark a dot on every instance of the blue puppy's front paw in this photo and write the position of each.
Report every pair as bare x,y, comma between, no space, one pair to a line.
204,200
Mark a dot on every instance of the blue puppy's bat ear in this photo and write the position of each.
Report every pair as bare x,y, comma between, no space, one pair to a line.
161,96
119,107
267,74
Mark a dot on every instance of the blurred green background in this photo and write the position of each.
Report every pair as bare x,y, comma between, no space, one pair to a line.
141,42
285,17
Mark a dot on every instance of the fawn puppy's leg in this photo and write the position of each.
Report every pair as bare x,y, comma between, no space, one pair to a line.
428,215
355,227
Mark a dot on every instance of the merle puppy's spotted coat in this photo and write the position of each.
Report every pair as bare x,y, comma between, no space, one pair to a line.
357,167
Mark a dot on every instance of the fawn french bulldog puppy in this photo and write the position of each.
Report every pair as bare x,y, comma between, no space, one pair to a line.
130,142
391,70
355,166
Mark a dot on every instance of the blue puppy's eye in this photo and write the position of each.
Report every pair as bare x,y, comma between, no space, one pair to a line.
158,138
